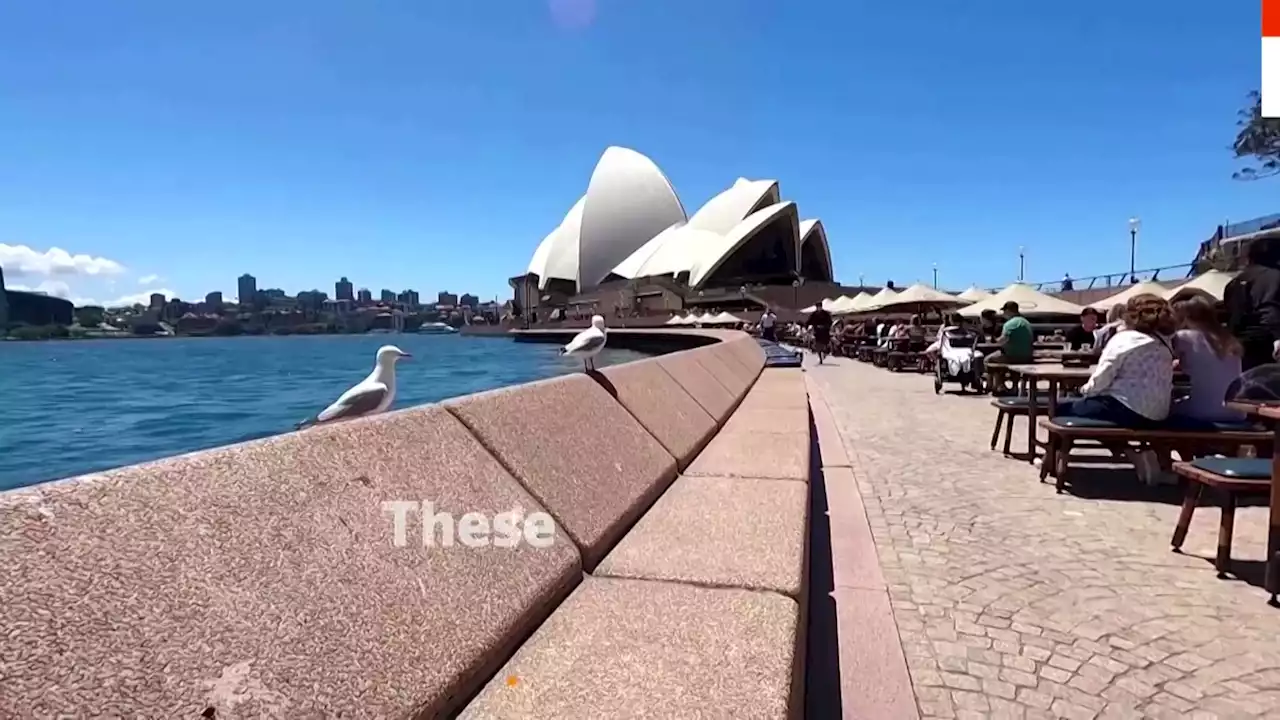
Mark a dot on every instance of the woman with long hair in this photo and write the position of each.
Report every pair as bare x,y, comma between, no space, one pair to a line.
1211,356
1132,384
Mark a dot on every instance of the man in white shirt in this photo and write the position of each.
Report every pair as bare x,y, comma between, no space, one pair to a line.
767,322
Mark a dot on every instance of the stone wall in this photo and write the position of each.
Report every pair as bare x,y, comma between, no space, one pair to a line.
264,579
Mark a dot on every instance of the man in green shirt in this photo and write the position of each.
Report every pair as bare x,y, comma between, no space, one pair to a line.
1016,339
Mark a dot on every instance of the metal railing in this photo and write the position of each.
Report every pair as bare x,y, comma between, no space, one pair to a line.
1117,280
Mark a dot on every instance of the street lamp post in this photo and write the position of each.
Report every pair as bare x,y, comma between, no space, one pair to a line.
795,292
862,281
935,276
1022,263
1134,226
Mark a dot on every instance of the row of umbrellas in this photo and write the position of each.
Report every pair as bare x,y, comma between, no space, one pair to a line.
723,318
974,301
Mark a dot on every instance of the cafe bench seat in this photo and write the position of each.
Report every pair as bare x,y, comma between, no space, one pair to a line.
1229,478
1007,409
901,359
1065,433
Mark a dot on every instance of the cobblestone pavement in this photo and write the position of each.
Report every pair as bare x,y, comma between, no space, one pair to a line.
1014,601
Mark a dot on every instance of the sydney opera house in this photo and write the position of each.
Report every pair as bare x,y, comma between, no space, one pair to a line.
628,245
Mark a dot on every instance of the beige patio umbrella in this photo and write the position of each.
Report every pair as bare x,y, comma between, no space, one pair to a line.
974,294
674,320
727,318
854,305
1211,284
1031,302
1122,297
879,300
840,305
920,297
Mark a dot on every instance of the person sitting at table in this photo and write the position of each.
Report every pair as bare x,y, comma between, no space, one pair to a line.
950,322
1211,357
1016,341
1084,333
989,326
915,333
1132,384
1115,323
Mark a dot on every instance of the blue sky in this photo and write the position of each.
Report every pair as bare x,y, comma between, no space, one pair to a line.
427,144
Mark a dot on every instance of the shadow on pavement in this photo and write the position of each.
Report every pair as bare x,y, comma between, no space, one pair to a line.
822,656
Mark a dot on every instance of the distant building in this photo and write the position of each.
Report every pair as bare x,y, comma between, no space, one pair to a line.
409,297
157,301
343,290
387,296
364,297
213,301
469,300
447,298
311,299
172,309
246,288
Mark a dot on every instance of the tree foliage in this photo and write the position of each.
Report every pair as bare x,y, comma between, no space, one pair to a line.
1258,140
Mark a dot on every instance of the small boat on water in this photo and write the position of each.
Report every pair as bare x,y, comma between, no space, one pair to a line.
437,328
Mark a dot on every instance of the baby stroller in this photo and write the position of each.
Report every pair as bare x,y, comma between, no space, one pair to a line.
958,360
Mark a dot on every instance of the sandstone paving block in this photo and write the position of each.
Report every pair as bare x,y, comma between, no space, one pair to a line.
776,420
726,375
748,370
830,443
726,532
643,649
664,408
263,580
749,351
578,451
753,454
875,682
698,381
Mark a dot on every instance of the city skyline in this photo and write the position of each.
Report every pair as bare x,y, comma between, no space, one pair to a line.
159,145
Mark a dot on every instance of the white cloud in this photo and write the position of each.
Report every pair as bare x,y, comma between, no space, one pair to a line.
57,288
149,279
142,298
20,260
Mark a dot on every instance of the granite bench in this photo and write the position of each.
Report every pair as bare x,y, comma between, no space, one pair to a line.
286,578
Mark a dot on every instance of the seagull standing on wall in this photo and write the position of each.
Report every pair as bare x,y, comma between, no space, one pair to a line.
370,396
588,343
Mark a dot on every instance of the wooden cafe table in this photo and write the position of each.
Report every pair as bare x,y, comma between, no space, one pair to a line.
1056,376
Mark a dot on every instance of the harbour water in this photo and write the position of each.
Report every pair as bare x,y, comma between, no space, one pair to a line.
72,407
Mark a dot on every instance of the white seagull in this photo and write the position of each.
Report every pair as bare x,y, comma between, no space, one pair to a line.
588,343
370,396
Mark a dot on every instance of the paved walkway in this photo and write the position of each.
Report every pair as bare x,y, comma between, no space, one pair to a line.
1014,601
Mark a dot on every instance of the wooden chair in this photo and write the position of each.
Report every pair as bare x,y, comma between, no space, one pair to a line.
1230,478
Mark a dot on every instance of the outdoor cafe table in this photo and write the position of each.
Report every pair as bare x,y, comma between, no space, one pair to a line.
1055,375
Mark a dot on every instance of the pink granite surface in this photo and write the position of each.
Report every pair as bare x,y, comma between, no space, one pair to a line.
644,649
721,532
830,444
261,580
736,360
664,408
698,381
767,437
767,455
579,452
729,376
